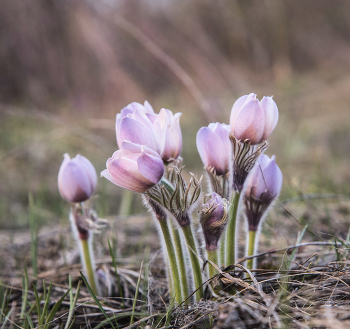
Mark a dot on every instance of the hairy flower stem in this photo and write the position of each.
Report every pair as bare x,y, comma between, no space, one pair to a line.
181,263
192,250
222,250
251,248
89,265
231,229
172,259
213,257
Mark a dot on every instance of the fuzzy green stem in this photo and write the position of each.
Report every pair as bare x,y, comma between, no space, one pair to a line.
181,262
172,260
251,248
222,250
192,249
213,257
231,229
89,267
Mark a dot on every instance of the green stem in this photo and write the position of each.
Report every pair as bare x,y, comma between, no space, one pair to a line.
89,266
126,203
222,249
231,229
172,259
181,262
213,257
192,249
251,248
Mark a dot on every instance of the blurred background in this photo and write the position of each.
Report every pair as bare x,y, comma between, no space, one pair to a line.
67,68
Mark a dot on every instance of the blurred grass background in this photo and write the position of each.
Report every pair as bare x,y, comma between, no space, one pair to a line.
67,68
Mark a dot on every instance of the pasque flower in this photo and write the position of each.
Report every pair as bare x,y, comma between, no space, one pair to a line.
173,141
263,186
77,179
142,127
213,218
134,167
214,147
253,120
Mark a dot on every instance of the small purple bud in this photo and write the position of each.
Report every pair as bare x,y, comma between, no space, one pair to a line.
173,142
263,186
213,218
214,147
253,120
77,179
134,167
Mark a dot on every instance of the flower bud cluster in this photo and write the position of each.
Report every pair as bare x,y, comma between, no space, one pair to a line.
177,196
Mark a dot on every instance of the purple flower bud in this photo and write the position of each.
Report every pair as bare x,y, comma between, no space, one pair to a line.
134,167
214,147
173,142
263,186
77,179
142,127
213,218
253,120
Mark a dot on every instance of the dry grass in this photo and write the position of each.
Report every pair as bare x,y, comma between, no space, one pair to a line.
305,289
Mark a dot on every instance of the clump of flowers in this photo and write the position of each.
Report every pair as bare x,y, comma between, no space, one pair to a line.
148,161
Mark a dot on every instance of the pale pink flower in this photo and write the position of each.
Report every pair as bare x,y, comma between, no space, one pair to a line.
253,120
134,167
136,127
214,147
77,179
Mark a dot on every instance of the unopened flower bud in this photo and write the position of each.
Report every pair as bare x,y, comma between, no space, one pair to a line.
77,179
252,120
134,167
214,147
213,218
263,186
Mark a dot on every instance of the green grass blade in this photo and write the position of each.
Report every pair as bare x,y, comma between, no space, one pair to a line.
116,273
168,313
7,316
71,325
33,234
295,249
116,317
3,296
54,310
29,320
37,301
95,299
46,305
24,293
72,303
135,298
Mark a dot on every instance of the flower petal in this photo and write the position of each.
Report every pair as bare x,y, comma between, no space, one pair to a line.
271,115
85,164
74,183
138,132
238,105
212,150
250,123
150,166
124,172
